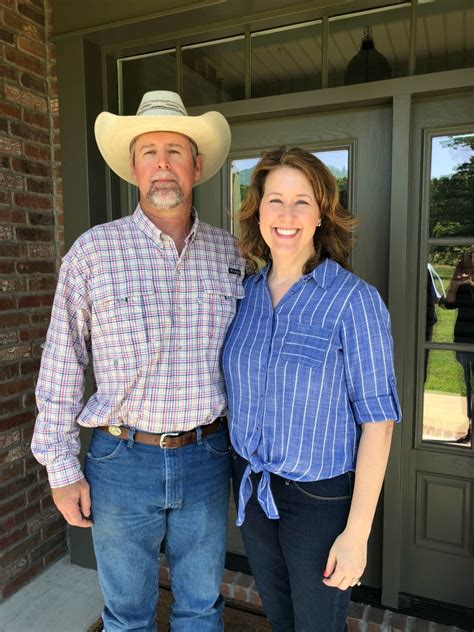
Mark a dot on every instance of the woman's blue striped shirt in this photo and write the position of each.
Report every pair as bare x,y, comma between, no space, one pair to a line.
302,377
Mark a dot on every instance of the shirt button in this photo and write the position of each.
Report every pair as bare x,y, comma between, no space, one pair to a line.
181,308
209,418
180,347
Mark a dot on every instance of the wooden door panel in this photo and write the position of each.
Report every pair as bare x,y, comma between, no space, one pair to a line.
443,515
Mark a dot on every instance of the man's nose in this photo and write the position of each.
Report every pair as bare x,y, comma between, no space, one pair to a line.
162,160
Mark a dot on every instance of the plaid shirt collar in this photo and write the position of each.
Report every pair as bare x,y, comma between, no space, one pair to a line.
154,233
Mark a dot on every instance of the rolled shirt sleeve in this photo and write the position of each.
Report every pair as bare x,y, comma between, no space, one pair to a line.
60,388
368,358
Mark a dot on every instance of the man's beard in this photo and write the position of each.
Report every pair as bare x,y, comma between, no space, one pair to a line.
165,196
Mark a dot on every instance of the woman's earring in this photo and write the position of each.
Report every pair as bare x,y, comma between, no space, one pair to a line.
319,223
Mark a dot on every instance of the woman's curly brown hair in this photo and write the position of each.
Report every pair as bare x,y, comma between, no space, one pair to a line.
332,240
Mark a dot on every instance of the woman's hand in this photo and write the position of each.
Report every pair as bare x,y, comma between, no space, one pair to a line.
348,555
346,561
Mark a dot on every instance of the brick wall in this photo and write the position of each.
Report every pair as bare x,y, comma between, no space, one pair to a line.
32,534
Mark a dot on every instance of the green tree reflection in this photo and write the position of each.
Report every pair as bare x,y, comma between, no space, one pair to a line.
452,202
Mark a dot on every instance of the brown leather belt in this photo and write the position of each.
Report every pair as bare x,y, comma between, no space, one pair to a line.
166,439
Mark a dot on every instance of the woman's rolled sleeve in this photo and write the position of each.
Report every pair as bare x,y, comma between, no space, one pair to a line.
368,358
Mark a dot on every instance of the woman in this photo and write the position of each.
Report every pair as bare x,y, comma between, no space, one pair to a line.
308,368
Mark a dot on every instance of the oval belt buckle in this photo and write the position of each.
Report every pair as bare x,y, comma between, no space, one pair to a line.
115,431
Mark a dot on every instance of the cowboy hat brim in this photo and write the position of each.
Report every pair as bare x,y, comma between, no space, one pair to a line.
210,132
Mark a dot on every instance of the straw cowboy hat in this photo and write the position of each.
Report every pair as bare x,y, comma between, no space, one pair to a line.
162,111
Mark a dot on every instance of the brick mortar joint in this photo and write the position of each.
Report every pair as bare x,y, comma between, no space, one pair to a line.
52,131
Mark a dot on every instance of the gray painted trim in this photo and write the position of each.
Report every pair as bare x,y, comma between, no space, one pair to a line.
73,126
398,277
359,95
446,241
448,346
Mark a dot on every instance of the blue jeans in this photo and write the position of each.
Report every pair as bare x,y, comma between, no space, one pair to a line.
288,556
142,494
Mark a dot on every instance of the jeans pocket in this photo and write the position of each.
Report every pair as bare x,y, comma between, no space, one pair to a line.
103,447
218,444
330,489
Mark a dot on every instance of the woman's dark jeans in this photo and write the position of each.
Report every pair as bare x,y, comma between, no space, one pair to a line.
288,556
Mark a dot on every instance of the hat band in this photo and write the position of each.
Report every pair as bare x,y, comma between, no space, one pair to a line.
148,109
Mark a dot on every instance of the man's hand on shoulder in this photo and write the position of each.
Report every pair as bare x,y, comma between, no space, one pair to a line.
74,502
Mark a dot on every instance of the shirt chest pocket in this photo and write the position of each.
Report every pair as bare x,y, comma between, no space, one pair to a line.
120,325
307,344
219,302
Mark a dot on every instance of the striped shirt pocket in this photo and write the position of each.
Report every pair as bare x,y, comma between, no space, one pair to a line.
307,344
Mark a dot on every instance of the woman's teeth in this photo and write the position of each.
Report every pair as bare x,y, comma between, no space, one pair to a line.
286,231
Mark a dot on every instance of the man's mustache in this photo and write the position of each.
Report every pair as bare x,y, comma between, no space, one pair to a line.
163,175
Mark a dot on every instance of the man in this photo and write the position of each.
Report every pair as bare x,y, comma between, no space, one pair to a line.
150,296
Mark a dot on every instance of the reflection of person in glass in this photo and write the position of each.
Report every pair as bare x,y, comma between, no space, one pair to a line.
460,296
432,299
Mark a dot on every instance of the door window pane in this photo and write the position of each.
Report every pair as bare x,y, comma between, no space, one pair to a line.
354,58
337,160
447,405
214,72
450,294
444,37
286,60
452,186
144,74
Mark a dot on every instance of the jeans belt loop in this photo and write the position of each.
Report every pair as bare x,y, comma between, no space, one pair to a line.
131,437
199,435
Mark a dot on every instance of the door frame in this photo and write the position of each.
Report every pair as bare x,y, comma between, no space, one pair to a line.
426,121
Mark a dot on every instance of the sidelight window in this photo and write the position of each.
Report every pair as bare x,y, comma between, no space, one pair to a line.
447,365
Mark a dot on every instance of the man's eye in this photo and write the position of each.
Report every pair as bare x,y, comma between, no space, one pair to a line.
149,152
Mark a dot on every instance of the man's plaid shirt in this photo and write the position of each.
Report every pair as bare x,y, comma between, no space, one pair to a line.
154,322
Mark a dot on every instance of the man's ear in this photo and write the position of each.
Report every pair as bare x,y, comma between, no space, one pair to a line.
132,169
198,167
